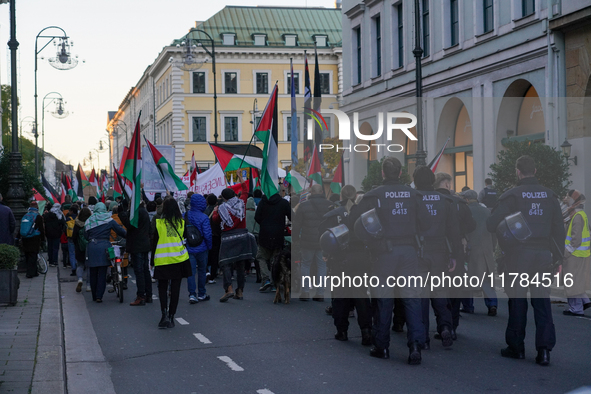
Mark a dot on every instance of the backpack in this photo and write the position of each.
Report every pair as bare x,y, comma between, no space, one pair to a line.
194,237
70,223
82,241
28,229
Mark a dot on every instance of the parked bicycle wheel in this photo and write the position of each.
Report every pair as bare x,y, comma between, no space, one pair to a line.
42,266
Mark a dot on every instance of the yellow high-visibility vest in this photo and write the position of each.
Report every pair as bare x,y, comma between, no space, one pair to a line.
171,248
584,249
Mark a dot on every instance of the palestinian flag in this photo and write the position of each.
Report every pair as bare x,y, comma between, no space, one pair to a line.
308,144
133,172
41,201
120,189
104,186
339,178
73,186
186,174
296,180
82,181
267,132
254,180
49,190
315,171
194,172
66,187
93,180
435,162
230,156
172,182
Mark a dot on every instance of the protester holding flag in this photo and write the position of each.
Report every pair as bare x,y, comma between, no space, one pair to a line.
98,232
55,225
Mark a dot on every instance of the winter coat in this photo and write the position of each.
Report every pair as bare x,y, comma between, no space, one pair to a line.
98,243
33,244
307,219
270,214
54,227
138,239
251,225
7,225
481,257
80,255
198,219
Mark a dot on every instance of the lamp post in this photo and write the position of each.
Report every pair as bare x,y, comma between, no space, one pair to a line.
255,110
566,150
62,61
418,52
59,113
189,63
125,124
16,195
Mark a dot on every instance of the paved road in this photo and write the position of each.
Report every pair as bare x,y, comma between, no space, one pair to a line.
254,346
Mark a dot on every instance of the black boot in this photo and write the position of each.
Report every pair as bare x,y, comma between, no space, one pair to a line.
341,336
170,321
414,354
366,337
164,321
543,357
446,336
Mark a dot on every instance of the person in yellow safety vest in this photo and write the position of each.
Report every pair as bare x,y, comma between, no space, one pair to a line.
577,254
171,259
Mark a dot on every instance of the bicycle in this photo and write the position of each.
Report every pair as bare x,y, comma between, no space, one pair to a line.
42,266
115,254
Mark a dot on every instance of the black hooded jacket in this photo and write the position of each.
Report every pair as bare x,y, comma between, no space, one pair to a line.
270,215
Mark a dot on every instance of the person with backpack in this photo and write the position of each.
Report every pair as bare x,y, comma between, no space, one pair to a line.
32,234
70,223
54,227
79,241
199,243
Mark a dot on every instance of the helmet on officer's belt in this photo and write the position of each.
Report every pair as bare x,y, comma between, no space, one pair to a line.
512,231
368,226
335,239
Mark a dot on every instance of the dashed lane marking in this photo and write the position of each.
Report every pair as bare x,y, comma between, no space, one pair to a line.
201,338
181,321
264,391
233,366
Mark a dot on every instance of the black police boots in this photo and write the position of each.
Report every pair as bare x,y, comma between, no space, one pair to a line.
543,357
446,336
341,336
379,353
511,353
414,354
366,337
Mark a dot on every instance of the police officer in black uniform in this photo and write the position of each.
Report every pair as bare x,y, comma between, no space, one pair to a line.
443,182
402,215
349,261
488,195
443,235
540,208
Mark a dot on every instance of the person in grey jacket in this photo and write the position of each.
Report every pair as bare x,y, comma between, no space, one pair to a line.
98,233
7,224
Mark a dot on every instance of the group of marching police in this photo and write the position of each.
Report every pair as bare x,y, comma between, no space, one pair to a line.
397,230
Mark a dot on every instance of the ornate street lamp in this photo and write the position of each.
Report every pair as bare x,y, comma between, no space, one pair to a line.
418,52
566,150
59,113
191,61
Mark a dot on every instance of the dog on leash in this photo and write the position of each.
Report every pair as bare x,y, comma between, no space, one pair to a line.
281,273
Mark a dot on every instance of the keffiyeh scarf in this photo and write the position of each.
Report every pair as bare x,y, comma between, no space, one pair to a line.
232,207
99,217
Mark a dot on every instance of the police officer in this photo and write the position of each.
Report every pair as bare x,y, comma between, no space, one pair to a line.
348,261
488,195
442,184
443,235
402,214
540,208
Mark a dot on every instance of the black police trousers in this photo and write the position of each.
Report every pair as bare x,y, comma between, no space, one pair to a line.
435,262
400,262
341,308
528,261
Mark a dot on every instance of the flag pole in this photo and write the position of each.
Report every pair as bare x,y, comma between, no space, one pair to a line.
158,169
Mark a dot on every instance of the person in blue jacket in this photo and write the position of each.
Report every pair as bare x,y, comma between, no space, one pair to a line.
198,255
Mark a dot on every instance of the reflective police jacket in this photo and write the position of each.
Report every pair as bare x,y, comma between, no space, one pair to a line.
400,209
445,222
539,207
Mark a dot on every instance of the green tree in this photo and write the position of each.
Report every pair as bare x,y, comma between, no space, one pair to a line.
374,176
552,169
30,181
331,156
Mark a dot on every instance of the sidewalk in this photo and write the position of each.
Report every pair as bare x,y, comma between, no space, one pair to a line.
31,340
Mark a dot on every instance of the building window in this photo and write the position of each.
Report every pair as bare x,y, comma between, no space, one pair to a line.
231,128
326,130
400,35
291,40
488,15
296,82
289,127
199,82
455,28
231,83
262,83
229,39
528,7
325,83
378,35
426,32
199,129
320,41
358,57
260,39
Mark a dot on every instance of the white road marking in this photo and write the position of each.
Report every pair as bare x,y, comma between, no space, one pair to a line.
233,366
155,297
264,391
201,338
181,321
133,281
